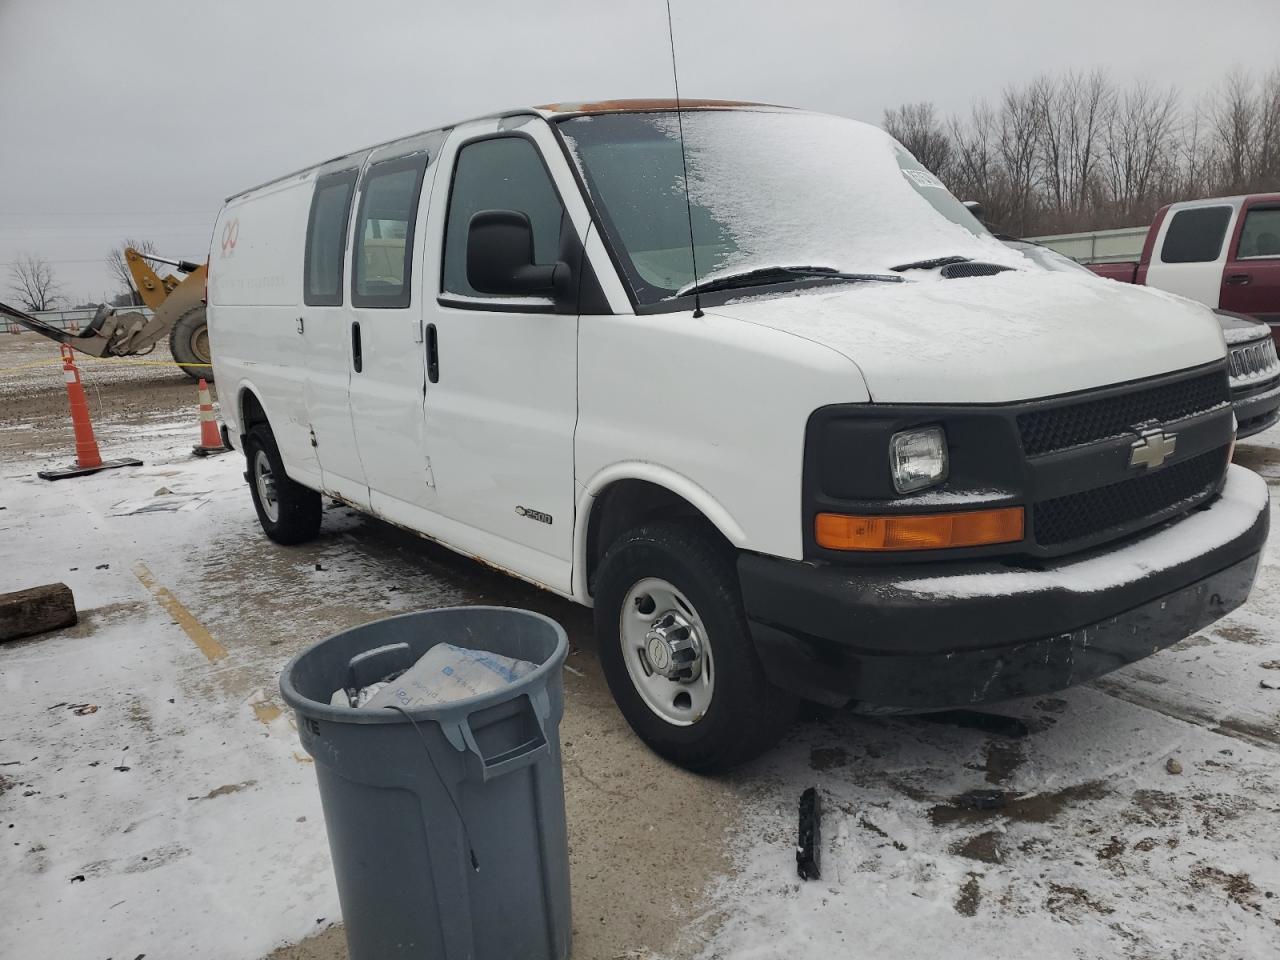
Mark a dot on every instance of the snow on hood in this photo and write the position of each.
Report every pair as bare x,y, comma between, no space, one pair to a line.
1018,335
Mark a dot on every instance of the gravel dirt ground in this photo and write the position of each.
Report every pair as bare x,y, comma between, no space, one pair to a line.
1056,825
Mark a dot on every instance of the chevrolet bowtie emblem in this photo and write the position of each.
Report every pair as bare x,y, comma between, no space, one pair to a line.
1152,448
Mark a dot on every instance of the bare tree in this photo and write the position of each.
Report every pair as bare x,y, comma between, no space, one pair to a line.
1235,121
1267,164
917,127
1019,138
1074,152
1070,113
1137,154
31,278
118,267
975,168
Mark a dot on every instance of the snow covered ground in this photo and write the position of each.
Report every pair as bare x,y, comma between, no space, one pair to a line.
1060,831
154,799
148,806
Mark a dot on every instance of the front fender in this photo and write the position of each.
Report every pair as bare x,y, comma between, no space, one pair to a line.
660,476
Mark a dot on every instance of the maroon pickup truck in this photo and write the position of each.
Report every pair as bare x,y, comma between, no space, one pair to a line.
1253,368
1224,252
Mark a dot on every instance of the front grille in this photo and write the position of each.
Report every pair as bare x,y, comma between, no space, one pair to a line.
1086,514
1253,361
1086,421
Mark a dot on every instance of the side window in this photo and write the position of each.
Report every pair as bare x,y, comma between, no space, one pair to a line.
1260,235
382,260
1196,235
327,239
500,174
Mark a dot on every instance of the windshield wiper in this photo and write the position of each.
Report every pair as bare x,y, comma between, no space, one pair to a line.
765,275
930,264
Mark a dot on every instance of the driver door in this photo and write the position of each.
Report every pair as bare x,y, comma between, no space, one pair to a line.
502,371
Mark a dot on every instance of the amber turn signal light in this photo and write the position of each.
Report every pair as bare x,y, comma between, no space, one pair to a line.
932,531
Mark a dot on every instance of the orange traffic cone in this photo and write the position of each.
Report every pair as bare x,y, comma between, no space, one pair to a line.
88,459
210,440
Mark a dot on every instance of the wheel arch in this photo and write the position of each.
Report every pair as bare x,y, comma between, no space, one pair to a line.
624,495
250,410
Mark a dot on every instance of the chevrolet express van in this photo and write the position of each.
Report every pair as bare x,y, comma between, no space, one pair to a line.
816,434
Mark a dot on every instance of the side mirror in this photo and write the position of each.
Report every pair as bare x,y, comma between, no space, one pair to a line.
500,256
974,207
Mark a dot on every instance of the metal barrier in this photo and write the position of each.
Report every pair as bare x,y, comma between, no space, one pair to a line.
1097,246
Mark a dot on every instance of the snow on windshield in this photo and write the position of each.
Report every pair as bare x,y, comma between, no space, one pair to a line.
767,188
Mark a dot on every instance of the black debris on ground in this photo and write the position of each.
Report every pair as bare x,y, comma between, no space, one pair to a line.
809,841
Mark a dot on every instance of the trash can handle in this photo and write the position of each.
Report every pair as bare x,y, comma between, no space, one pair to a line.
360,659
463,738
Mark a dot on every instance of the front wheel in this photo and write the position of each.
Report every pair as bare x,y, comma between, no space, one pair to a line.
677,652
288,511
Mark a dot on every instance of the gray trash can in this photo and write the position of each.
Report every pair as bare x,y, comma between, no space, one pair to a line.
447,832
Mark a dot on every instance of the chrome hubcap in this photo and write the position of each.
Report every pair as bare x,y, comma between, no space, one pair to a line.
265,480
673,647
666,650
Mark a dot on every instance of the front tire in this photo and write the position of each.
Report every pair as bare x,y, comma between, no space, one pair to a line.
288,511
677,652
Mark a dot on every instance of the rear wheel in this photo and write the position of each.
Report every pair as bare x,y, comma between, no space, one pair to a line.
289,512
677,653
189,342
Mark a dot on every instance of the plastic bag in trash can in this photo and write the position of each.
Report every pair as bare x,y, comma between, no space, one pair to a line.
343,698
446,673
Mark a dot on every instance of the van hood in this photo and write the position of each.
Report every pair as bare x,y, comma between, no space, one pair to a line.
1017,335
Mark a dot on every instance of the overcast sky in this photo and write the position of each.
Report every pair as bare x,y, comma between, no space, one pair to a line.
136,118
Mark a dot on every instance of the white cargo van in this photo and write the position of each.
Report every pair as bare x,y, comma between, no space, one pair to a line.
845,446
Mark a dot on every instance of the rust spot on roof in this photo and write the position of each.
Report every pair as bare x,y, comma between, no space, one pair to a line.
644,105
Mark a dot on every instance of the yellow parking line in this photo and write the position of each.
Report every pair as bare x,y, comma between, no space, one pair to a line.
192,627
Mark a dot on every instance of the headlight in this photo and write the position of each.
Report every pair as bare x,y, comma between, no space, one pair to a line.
917,458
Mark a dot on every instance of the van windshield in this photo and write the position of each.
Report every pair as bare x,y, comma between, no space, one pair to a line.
767,188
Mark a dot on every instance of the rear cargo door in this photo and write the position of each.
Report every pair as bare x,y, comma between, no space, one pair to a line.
1251,279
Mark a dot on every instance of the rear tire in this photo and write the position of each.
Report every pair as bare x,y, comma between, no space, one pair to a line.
288,511
742,713
189,344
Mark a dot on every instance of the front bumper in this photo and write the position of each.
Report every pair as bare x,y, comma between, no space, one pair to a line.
939,636
1257,407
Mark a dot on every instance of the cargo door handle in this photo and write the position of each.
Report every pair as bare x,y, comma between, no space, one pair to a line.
357,357
433,354
1239,279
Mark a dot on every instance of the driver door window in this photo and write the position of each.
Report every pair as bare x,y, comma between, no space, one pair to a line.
503,173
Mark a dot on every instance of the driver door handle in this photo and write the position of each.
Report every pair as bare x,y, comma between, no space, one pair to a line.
1239,279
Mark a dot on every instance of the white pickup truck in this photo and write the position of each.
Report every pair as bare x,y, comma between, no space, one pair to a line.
844,445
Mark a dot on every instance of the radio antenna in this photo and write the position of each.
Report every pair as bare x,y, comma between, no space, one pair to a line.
684,166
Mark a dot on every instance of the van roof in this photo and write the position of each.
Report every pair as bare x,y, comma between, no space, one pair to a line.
548,111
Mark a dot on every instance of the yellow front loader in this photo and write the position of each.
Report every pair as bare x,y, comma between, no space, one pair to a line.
177,307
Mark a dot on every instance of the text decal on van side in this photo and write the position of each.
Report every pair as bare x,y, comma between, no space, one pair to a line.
533,514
